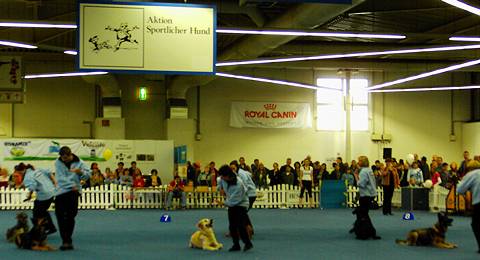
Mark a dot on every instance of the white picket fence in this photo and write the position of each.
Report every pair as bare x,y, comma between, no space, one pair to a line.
122,197
437,197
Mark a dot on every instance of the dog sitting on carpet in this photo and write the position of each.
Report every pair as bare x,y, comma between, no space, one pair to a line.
36,238
204,238
19,228
434,236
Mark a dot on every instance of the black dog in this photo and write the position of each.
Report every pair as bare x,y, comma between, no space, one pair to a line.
19,228
363,227
434,236
35,239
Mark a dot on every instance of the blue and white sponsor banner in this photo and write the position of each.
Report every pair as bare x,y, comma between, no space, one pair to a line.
148,37
270,115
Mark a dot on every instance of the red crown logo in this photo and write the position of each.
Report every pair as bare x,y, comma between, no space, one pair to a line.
270,106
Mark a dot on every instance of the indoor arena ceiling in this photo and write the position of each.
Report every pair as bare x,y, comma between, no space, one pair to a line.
425,23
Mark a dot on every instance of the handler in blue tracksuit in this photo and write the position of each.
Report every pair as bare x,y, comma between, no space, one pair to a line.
69,170
237,203
471,182
41,181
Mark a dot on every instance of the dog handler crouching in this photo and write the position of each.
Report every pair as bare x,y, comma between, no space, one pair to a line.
237,203
69,170
471,182
43,182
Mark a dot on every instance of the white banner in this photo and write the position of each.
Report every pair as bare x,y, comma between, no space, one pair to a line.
176,38
270,115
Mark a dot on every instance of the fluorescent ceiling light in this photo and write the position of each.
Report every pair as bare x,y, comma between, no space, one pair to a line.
464,39
463,6
423,89
17,44
37,25
280,82
427,74
316,34
350,55
71,52
67,74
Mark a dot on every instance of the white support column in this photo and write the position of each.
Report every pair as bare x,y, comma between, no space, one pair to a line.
348,110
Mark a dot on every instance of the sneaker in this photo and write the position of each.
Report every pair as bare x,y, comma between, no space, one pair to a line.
234,248
247,247
66,247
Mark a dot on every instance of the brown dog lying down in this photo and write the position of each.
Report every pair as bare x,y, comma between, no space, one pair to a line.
36,238
434,236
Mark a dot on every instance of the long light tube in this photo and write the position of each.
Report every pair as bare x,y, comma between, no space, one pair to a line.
274,81
349,55
464,39
423,89
71,52
425,75
17,44
463,6
316,34
67,74
37,25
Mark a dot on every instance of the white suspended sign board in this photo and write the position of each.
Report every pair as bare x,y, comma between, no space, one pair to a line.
270,115
147,37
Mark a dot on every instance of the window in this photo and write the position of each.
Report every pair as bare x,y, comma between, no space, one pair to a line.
331,104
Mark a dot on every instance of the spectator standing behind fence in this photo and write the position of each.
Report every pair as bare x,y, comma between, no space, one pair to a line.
423,165
205,178
111,178
297,169
243,165
69,170
471,182
348,178
306,180
119,170
213,173
43,182
3,177
402,171
97,178
288,177
176,190
138,181
255,165
134,170
126,179
367,190
155,181
415,175
16,179
463,166
390,182
262,176
275,175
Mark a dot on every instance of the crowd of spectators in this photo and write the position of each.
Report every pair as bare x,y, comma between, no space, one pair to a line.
413,173
131,177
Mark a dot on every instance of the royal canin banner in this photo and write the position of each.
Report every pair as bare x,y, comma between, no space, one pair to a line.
270,115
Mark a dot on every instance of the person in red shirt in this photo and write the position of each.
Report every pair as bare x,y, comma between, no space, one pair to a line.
176,189
138,182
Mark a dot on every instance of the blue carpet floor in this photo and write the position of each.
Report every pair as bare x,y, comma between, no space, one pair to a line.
279,234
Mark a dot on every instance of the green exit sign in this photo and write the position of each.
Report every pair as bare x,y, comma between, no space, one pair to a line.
142,94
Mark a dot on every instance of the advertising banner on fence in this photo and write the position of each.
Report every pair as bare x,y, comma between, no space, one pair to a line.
270,115
161,37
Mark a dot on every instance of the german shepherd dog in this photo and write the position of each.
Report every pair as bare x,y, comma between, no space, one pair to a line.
35,239
19,228
434,236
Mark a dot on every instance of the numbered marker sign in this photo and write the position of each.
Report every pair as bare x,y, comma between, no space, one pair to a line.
408,216
165,218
